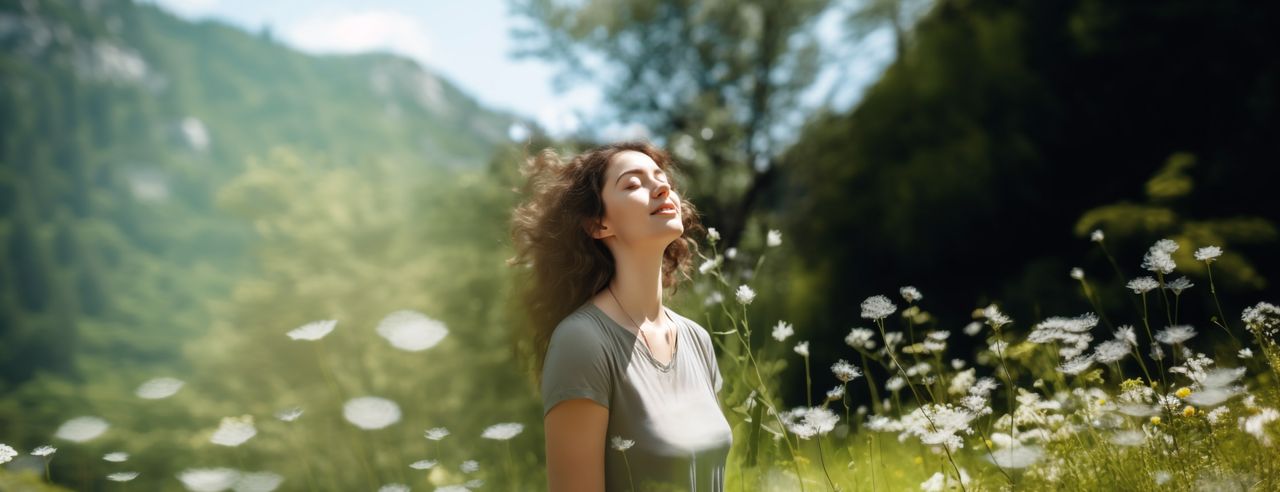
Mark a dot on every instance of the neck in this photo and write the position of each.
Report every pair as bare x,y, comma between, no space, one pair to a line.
637,282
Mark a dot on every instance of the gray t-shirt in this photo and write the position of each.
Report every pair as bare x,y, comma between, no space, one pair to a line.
672,412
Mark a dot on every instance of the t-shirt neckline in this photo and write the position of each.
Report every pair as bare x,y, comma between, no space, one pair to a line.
675,351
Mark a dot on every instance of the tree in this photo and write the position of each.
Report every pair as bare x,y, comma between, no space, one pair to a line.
720,83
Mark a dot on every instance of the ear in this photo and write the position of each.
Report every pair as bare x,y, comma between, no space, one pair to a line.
596,229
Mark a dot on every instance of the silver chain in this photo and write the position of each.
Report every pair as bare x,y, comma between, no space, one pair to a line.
633,321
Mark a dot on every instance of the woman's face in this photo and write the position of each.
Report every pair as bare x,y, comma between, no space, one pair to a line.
640,206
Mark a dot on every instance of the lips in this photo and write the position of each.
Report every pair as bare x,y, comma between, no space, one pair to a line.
664,206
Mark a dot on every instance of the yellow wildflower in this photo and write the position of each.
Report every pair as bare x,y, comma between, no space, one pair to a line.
1189,411
1155,420
1183,392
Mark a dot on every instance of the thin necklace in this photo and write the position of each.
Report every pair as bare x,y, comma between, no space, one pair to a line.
633,321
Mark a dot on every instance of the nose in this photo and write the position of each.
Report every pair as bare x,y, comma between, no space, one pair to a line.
661,190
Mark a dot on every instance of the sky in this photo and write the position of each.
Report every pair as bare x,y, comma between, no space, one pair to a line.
468,43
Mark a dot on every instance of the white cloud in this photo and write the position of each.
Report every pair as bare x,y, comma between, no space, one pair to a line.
353,32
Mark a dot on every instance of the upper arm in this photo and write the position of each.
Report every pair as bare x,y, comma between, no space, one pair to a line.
575,445
576,365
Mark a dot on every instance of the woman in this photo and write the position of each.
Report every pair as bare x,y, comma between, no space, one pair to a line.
629,387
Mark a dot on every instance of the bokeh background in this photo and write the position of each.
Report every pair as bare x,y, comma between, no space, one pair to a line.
184,182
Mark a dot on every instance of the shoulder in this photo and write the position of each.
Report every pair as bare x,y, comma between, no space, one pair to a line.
578,332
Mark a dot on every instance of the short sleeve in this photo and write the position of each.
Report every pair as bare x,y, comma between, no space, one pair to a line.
576,364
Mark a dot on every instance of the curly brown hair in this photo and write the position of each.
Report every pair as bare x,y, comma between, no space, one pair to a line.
561,264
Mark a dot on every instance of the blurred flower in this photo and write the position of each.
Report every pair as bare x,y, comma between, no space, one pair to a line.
394,487
802,348
1255,424
714,298
1096,236
259,482
411,331
314,330
208,479
116,457
1142,285
1016,456
835,393
1182,392
1173,335
709,265
995,318
943,482
1076,365
860,338
7,453
436,433
973,328
806,422
1208,253
44,451
1159,259
423,464
503,431
774,238
234,431
621,444
731,253
910,294
745,294
877,307
81,429
1179,285
289,414
155,389
712,234
371,412
1245,353
1263,318
782,330
1077,273
469,466
845,371
1110,351
122,476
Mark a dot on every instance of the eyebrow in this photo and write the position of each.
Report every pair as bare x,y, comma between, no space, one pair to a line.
624,173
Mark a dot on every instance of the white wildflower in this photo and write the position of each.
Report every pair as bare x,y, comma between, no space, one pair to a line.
1142,285
860,338
711,264
806,422
436,433
208,479
234,431
895,383
503,431
910,294
714,298
995,318
1245,353
1179,285
289,414
1255,424
1076,365
7,453
962,381
122,476
314,330
81,429
845,371
944,482
782,330
745,294
1077,273
259,482
802,348
394,487
1176,334
1262,318
731,253
1015,456
1096,236
44,451
155,389
1216,416
423,464
620,444
877,307
371,412
836,393
116,457
712,234
1111,351
973,328
1159,258
469,466
774,238
1208,253
411,331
